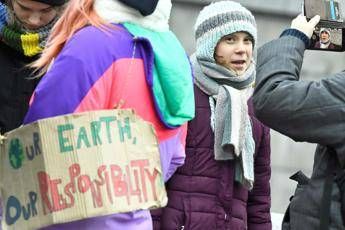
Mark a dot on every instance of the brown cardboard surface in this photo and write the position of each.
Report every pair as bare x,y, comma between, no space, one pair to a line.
76,166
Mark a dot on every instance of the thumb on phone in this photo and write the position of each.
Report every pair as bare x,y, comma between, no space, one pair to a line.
300,23
314,20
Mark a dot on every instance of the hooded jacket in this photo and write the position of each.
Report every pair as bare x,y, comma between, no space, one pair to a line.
202,193
105,76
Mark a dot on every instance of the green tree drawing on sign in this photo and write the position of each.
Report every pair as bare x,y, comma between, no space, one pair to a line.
16,153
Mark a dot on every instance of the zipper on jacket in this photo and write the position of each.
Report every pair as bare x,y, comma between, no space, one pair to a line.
226,218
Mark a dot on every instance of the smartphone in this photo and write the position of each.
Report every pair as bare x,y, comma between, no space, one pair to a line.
329,34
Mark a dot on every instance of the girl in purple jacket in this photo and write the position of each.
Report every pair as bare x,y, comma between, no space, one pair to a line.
105,54
224,183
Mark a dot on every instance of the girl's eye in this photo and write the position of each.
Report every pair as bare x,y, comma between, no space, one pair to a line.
47,10
230,39
24,8
248,40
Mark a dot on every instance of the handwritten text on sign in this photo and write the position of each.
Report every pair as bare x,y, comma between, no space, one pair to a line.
119,174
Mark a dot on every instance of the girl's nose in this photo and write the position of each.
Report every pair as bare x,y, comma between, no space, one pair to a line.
240,47
34,21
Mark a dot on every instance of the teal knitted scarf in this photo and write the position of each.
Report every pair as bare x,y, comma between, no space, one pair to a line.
29,43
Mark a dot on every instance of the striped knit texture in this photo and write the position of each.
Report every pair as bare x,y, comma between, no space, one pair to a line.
217,20
3,16
29,43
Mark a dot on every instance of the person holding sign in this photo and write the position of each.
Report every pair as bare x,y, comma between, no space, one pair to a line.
106,54
224,183
306,111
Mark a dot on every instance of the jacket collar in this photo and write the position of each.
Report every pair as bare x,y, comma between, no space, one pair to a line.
114,11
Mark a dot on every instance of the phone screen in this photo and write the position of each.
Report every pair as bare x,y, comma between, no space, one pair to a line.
329,33
325,38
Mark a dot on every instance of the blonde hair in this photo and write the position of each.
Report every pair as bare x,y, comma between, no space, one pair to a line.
77,15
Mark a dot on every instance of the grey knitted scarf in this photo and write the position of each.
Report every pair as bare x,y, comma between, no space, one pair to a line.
229,114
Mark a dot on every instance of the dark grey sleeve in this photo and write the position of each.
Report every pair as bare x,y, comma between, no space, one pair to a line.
311,111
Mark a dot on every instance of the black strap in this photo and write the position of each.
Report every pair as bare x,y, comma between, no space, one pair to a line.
325,212
340,180
326,202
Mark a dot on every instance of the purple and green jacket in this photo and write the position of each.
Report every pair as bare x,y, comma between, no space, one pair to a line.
98,70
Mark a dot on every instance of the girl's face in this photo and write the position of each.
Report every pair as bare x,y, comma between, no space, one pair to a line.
234,52
324,37
32,14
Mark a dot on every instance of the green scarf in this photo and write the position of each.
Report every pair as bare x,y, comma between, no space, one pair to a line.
172,82
29,43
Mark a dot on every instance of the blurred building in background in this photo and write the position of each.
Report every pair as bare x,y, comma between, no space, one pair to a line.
272,17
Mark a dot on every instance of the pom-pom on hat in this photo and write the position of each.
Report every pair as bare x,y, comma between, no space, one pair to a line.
217,20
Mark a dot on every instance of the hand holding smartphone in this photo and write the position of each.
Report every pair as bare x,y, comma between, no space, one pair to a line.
329,33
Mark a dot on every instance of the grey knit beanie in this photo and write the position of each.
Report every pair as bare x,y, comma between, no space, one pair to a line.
326,30
217,20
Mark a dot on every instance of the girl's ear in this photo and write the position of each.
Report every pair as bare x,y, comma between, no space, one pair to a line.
145,7
215,56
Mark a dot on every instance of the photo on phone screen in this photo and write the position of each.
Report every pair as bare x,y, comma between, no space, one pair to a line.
329,33
327,38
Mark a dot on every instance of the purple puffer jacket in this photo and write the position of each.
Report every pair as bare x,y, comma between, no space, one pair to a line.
202,193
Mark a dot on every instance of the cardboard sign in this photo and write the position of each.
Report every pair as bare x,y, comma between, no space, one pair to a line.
77,166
